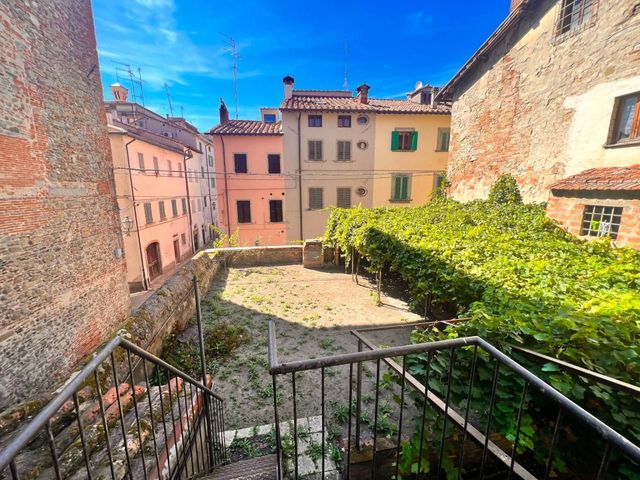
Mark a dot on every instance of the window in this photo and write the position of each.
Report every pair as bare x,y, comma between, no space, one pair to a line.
315,150
344,121
240,162
575,14
163,213
443,140
315,120
169,168
200,146
184,206
199,205
202,172
344,197
204,199
315,199
244,211
400,188
344,150
404,141
438,180
156,167
363,120
141,162
174,207
148,213
274,163
212,182
600,221
210,159
275,211
626,118
269,118
179,169
183,238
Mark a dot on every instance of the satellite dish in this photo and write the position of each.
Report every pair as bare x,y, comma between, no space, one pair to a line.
418,85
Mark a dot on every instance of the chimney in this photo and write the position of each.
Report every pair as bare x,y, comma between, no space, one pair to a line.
119,92
363,93
224,113
288,87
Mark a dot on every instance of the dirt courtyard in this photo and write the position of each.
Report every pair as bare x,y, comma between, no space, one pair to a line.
313,311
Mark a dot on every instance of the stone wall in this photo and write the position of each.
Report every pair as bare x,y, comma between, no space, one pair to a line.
540,106
568,210
62,285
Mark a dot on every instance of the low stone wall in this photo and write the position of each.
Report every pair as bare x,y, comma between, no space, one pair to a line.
258,256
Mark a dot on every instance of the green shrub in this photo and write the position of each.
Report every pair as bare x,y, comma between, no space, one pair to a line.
505,190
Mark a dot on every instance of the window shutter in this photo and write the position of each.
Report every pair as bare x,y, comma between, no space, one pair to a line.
414,140
347,150
404,193
395,140
397,188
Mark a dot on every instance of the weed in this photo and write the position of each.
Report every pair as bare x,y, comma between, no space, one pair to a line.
326,343
246,447
314,450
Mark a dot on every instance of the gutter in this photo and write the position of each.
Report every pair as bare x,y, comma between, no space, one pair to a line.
145,284
300,173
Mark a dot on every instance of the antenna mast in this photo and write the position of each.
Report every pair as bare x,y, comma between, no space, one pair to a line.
232,49
135,81
166,87
345,85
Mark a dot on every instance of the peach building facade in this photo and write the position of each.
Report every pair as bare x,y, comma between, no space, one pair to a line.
250,180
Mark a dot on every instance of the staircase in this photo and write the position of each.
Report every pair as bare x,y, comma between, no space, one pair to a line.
260,468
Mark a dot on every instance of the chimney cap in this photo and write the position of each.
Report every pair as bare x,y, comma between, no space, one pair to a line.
364,87
288,80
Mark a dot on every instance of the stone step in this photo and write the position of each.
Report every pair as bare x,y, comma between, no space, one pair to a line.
259,468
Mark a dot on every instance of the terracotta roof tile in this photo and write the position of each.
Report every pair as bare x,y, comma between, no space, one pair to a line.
608,178
247,127
146,136
349,104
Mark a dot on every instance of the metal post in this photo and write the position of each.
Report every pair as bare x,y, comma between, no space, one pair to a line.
358,397
203,363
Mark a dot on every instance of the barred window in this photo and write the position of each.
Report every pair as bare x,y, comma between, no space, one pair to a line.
344,197
344,150
575,14
315,150
601,221
316,201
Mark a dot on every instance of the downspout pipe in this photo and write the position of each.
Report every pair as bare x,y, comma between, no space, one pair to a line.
209,187
145,284
300,174
226,186
187,156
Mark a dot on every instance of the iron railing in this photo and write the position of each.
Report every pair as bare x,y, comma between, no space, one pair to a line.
459,446
116,421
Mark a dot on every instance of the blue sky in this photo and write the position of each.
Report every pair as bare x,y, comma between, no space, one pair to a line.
391,45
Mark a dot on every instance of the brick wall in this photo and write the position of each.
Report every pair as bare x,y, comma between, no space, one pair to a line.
568,210
539,107
62,289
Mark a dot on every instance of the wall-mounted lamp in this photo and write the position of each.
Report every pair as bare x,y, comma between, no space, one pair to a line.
127,224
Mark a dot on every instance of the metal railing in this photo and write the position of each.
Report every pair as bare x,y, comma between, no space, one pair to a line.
104,425
459,443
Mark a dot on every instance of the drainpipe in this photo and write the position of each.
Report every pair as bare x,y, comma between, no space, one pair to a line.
209,187
187,156
300,173
226,186
145,284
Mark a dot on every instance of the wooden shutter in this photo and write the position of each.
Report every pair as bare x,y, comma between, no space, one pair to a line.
414,140
404,191
397,187
344,197
395,140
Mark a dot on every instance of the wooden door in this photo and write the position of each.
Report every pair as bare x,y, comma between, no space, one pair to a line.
176,250
153,260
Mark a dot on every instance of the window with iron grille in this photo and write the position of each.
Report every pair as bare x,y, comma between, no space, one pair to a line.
601,221
575,14
316,201
240,162
141,162
275,211
184,206
244,211
444,134
344,121
344,150
174,207
315,120
315,150
400,188
274,163
626,119
148,213
344,197
163,213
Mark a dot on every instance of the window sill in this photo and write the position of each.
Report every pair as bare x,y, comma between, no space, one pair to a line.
409,200
315,161
343,161
628,143
442,151
404,151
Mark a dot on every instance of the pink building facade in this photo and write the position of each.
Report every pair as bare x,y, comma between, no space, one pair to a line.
250,183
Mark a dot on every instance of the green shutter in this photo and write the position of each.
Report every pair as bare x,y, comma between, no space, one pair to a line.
395,140
404,193
397,187
414,141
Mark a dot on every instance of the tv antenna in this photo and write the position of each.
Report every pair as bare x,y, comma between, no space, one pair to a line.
135,81
166,88
232,49
345,85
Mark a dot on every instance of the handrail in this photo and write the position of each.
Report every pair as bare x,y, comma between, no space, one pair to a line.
608,434
42,418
